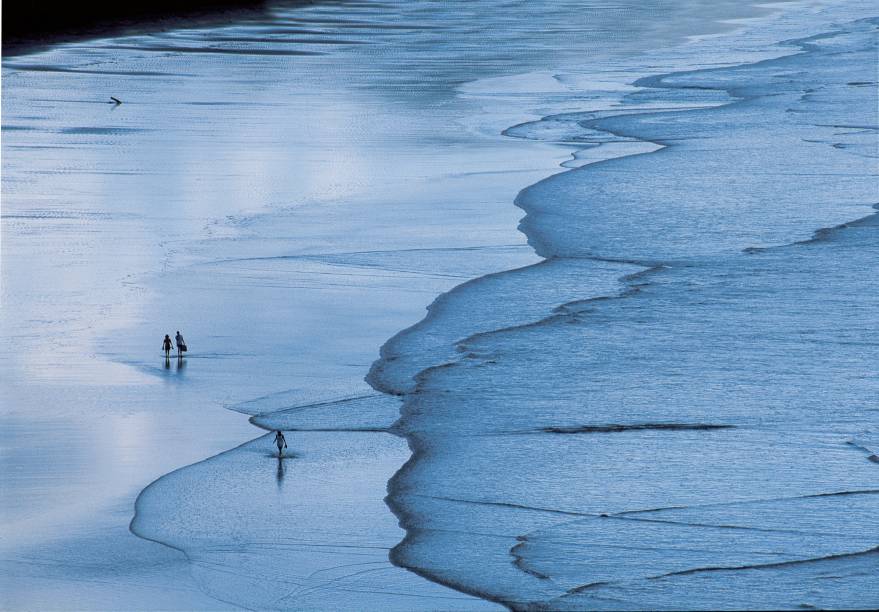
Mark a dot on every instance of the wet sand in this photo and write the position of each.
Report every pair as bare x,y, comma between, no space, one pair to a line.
287,197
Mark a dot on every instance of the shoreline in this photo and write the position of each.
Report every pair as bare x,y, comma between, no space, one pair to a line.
213,371
420,400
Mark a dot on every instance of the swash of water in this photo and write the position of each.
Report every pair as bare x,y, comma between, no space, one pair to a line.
672,410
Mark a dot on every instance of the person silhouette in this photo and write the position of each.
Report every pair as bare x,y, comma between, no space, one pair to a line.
166,346
181,345
281,443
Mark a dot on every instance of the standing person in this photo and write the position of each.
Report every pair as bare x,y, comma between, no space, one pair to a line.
281,442
166,346
181,345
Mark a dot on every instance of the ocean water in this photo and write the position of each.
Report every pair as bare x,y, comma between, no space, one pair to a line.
656,394
696,439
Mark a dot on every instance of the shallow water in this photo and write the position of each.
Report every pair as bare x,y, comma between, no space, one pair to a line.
692,442
290,193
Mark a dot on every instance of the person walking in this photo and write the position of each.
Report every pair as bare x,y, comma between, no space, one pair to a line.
281,443
181,345
166,346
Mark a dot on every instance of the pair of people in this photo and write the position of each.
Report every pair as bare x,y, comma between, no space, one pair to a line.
181,345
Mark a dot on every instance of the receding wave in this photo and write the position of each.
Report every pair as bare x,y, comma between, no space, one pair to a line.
737,367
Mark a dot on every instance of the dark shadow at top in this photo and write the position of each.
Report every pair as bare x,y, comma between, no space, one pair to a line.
32,27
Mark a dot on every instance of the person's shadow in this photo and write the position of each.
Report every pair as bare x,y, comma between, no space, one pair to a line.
279,475
180,367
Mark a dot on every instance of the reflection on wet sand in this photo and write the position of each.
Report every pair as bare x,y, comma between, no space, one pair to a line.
279,475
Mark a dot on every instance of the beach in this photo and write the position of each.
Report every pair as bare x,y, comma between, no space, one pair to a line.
655,390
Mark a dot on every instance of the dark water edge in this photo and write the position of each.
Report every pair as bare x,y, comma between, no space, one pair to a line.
30,27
